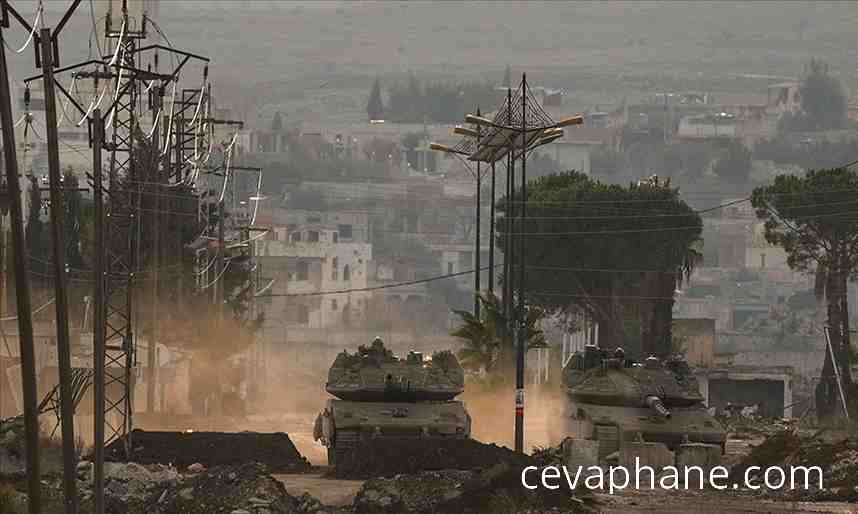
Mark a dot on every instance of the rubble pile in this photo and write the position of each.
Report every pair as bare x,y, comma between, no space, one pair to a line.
128,486
12,446
385,457
181,449
245,489
494,490
838,460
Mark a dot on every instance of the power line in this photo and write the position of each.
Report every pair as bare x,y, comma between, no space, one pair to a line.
376,288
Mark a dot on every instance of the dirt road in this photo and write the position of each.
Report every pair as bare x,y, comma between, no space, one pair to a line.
337,492
699,502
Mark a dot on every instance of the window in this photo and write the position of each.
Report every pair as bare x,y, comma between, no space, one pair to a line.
303,270
335,264
295,237
763,260
333,305
345,231
312,236
450,268
347,273
336,237
314,219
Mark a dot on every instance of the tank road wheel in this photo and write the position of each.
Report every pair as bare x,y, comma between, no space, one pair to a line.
345,442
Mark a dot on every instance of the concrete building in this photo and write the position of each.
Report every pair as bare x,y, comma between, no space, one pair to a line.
307,259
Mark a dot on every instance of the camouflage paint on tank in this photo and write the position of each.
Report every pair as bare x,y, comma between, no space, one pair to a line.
652,401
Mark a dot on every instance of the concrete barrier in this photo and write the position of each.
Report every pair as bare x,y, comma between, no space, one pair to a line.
703,456
580,452
655,455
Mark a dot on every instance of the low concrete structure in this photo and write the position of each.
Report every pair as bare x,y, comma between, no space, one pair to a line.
580,452
768,386
655,455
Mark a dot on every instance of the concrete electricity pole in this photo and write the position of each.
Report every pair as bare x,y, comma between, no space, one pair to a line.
22,289
60,290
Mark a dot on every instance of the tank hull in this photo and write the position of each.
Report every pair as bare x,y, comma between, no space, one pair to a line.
614,426
344,424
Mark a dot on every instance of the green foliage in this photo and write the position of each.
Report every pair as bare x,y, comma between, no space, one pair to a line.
822,154
588,242
823,101
489,345
374,106
811,218
36,233
437,102
74,212
734,165
8,505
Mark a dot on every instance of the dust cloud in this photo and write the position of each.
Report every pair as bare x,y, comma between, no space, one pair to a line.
493,415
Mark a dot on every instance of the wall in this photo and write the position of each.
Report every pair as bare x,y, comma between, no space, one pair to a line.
698,338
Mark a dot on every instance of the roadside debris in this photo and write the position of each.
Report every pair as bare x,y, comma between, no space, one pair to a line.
494,490
837,458
207,449
389,457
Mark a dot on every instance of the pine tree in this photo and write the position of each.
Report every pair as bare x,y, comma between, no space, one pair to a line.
73,219
277,122
375,108
35,233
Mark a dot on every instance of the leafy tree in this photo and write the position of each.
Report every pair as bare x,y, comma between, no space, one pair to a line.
73,220
38,239
277,122
489,346
734,165
588,243
823,98
823,101
810,217
374,107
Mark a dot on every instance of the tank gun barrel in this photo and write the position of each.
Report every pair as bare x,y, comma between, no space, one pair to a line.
655,403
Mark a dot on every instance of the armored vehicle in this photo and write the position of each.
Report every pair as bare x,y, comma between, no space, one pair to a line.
380,395
615,400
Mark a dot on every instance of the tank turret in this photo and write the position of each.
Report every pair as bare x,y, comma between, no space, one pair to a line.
375,374
612,398
381,395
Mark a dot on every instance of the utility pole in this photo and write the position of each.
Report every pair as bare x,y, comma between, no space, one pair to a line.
492,236
220,263
477,270
99,332
22,286
60,290
522,316
151,354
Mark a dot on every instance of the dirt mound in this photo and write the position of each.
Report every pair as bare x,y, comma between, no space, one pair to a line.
210,449
837,459
497,489
389,457
226,489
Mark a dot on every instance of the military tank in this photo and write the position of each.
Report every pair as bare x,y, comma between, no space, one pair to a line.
381,395
615,400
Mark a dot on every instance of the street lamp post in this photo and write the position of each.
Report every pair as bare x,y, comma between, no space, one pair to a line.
506,136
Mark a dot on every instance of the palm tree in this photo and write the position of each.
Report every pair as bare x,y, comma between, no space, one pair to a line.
489,346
